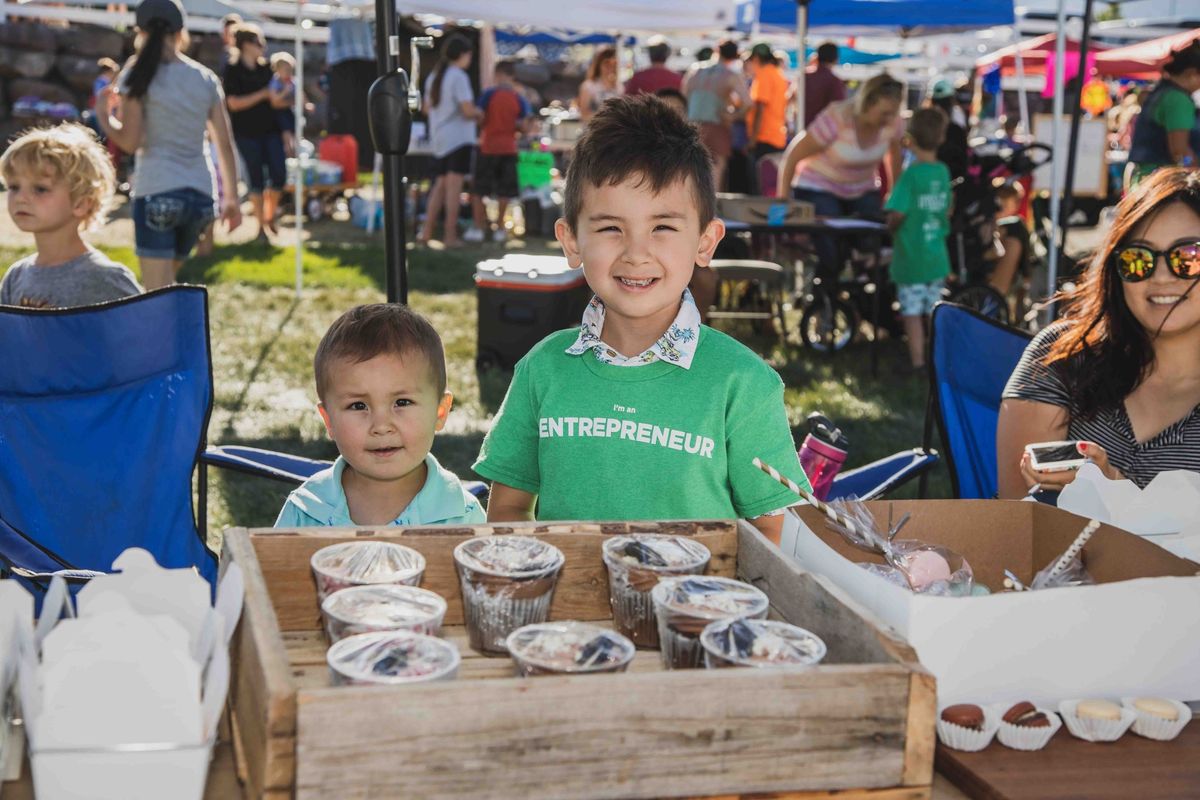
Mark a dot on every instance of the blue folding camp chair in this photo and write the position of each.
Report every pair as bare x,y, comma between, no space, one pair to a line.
971,359
874,480
103,411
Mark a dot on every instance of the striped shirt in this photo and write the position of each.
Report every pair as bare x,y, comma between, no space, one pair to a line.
1175,447
844,168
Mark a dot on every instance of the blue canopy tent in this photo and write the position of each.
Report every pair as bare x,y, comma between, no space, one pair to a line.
905,15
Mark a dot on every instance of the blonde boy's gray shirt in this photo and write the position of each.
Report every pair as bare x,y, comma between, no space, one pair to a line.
91,278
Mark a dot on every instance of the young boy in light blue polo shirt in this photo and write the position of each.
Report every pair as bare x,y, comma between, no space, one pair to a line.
381,381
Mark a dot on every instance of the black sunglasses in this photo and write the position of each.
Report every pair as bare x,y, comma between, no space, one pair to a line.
1137,262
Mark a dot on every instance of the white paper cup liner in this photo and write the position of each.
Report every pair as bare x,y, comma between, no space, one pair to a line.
1095,730
1020,737
1152,727
956,737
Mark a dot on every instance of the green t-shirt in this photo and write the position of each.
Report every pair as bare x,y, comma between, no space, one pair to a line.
601,442
1174,111
922,195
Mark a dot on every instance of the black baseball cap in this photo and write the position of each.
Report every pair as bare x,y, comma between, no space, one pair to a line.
169,11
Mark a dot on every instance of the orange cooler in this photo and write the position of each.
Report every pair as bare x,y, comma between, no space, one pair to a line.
522,300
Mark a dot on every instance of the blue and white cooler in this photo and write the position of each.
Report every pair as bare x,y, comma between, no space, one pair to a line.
522,300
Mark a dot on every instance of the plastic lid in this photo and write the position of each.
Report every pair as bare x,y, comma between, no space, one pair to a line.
509,556
383,605
570,647
710,597
762,643
393,657
656,551
368,562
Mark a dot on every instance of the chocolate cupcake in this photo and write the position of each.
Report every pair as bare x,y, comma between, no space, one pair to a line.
507,582
685,606
391,658
636,563
340,566
384,607
568,648
759,643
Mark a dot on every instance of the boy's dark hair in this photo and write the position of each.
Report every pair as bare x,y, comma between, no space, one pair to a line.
727,50
928,127
1183,59
507,68
1009,191
640,137
364,332
827,53
107,65
659,50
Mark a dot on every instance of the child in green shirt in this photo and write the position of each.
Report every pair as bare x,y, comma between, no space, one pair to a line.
919,218
641,412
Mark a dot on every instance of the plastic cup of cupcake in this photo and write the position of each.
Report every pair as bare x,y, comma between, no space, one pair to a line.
636,563
507,583
568,648
686,605
759,643
382,607
340,566
391,658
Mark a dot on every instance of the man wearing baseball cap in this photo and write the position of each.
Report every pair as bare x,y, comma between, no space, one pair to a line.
954,152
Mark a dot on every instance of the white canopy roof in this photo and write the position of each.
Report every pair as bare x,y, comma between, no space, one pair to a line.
593,15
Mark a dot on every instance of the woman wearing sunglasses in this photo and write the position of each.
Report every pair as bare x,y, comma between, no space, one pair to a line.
1120,373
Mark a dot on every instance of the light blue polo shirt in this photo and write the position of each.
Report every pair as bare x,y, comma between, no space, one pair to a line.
321,500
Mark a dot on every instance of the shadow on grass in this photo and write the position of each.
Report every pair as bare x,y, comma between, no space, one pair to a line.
236,407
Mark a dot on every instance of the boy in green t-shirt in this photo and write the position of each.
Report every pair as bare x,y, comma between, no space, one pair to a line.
641,412
919,218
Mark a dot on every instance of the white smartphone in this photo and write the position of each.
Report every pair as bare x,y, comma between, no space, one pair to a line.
1055,456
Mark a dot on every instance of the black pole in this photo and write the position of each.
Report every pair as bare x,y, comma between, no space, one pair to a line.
387,49
1075,97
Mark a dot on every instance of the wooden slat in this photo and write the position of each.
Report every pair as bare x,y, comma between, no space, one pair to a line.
582,591
920,739
262,692
653,734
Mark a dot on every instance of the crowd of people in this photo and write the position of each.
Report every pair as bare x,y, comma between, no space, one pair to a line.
1118,372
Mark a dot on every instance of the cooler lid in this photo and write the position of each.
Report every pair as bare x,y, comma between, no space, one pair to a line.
527,270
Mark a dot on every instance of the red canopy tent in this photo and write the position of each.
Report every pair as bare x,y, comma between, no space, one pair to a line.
1034,52
1144,59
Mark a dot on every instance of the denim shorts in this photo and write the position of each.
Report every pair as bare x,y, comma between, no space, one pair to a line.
918,299
263,152
167,224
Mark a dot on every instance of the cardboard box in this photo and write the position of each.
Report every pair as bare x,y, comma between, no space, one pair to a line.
755,210
1137,632
861,723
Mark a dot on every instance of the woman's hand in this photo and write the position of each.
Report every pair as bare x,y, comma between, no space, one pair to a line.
105,98
231,213
1056,480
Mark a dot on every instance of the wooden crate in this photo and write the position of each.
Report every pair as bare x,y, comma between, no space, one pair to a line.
863,721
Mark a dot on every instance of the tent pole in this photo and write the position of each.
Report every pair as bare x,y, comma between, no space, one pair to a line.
802,60
387,56
1060,66
1022,97
1076,114
298,182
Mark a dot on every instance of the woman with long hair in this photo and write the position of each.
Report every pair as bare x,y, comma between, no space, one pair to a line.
600,84
1120,373
1160,135
255,125
167,104
450,106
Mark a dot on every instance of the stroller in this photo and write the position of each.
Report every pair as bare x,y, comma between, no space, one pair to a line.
974,239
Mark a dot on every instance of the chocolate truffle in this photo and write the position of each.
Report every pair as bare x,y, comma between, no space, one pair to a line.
1157,707
1098,709
1025,715
965,715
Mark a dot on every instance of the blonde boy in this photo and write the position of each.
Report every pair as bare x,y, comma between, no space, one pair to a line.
641,412
381,381
60,182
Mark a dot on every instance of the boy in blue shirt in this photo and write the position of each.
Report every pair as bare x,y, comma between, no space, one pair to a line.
381,380
641,412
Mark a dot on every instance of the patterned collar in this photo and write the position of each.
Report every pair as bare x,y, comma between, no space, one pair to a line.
677,346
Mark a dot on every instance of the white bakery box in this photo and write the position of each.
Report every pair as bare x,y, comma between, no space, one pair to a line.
1135,633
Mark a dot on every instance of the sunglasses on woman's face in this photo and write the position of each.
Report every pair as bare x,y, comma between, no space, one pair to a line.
1137,262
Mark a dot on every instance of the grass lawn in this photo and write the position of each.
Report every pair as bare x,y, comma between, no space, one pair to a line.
263,340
